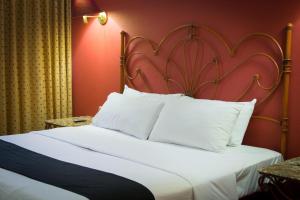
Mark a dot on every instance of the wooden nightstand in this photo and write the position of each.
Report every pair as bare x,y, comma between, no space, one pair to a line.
71,121
282,180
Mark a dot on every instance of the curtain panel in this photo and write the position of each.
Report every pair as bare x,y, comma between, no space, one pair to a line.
35,63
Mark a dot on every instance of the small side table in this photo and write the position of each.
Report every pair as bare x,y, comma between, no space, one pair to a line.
282,180
71,121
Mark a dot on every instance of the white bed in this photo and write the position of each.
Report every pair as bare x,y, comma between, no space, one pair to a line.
170,172
151,124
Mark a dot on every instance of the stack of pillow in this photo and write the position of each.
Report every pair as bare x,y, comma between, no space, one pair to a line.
174,118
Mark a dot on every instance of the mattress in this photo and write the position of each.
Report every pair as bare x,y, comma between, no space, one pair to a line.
170,172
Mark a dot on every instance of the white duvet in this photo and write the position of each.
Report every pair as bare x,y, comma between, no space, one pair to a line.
170,172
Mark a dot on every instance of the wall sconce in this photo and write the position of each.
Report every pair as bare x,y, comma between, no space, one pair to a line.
102,18
88,9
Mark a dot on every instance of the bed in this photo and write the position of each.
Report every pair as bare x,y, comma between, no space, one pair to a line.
134,168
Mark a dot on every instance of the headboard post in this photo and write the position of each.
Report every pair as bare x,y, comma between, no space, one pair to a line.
122,62
287,65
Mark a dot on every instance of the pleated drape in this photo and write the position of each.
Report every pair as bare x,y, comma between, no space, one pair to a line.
35,63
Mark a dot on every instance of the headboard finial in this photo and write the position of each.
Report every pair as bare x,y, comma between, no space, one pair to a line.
289,26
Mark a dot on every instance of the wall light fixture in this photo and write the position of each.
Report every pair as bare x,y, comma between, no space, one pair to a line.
88,9
102,17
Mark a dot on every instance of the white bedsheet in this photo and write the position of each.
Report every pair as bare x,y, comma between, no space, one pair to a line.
171,172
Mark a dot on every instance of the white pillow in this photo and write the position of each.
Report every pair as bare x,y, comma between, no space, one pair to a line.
159,97
131,92
196,123
240,127
242,122
134,116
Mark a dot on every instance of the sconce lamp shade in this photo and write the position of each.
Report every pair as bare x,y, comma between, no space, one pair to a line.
84,7
102,17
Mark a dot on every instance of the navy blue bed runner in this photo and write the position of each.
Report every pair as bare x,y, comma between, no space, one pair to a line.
91,183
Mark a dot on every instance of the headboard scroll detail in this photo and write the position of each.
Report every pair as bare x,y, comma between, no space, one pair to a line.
191,70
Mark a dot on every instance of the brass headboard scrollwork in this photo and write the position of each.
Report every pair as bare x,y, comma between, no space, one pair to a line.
185,71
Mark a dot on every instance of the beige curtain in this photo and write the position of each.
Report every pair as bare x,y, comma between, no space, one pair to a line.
35,63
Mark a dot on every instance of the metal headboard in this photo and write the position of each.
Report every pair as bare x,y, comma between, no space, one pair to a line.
189,81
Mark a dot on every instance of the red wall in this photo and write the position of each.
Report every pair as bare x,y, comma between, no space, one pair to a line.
96,48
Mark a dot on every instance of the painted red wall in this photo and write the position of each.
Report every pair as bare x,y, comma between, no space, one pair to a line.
96,48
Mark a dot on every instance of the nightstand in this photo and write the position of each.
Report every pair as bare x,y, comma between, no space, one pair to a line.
282,179
71,121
